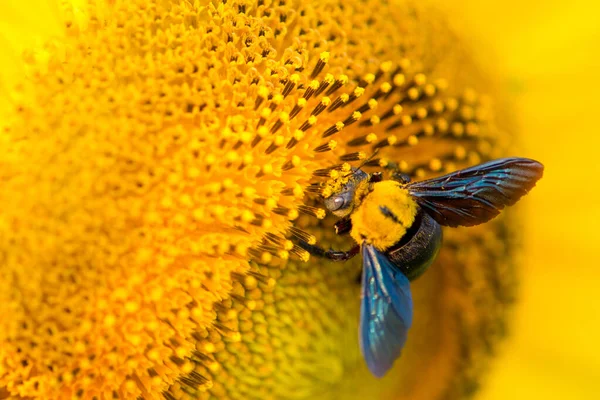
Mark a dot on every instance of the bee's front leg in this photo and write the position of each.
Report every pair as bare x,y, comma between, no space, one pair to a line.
343,226
330,254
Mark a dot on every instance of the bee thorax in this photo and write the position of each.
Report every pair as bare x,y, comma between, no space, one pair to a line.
383,216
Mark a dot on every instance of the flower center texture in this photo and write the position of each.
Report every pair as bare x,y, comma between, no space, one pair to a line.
160,163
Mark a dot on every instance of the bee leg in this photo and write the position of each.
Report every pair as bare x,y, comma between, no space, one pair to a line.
343,226
330,254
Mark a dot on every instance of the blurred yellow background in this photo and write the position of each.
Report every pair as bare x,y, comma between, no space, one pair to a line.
551,52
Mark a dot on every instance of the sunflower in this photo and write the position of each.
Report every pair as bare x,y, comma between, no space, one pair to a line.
161,160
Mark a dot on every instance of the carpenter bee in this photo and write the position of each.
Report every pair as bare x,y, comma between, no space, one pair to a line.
397,227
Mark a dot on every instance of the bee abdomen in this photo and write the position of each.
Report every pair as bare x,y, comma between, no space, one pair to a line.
418,248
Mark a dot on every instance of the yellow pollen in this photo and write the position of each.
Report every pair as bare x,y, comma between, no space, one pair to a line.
359,91
369,78
413,140
399,79
386,87
386,66
435,164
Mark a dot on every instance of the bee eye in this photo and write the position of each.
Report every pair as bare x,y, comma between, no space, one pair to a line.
337,203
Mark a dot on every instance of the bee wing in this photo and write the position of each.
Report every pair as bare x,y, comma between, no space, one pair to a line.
475,195
386,311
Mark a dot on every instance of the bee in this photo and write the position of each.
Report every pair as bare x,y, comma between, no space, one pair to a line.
397,224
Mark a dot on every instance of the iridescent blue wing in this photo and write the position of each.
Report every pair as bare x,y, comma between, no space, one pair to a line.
385,313
475,195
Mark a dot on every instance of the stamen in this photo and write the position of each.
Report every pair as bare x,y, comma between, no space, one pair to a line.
293,81
300,253
332,144
308,123
362,140
313,211
300,104
352,118
292,163
319,108
262,94
341,81
333,129
311,89
341,100
328,80
323,60
359,155
298,135
302,235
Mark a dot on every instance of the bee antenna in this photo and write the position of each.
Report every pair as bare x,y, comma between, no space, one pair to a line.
368,159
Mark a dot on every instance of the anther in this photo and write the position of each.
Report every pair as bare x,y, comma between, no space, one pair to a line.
341,81
341,100
323,60
328,80
319,108
332,144
293,81
304,236
312,211
308,123
311,89
355,116
300,104
292,163
356,156
333,129
362,140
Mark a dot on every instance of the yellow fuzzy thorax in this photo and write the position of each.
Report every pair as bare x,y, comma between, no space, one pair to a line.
161,161
370,225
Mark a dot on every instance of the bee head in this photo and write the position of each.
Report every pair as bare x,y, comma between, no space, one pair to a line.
340,193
